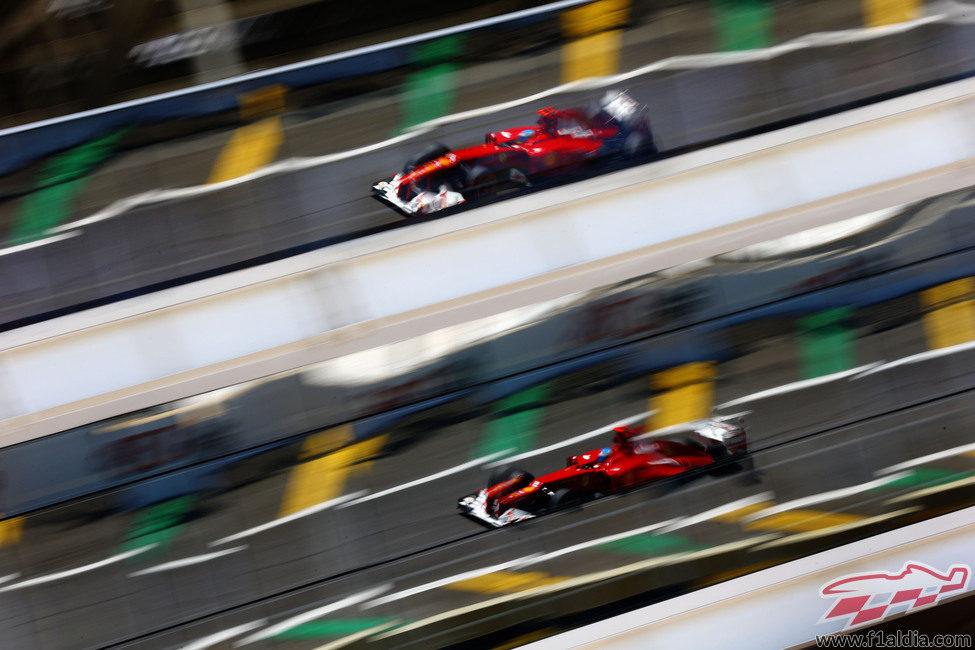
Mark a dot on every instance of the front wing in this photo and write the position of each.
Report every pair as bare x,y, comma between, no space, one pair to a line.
475,507
422,203
385,191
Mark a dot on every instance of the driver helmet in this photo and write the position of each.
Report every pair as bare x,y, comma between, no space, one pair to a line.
525,135
604,454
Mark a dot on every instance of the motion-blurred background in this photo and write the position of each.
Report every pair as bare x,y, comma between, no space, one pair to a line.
240,397
62,56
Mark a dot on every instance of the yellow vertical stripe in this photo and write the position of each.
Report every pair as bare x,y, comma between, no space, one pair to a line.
255,145
262,102
323,477
250,148
501,582
10,530
682,394
595,17
594,48
949,313
592,56
889,12
327,441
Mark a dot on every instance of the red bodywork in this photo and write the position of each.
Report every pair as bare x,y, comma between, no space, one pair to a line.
635,458
561,141
595,472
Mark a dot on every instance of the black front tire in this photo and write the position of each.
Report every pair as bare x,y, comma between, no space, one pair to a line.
506,473
562,498
434,150
480,184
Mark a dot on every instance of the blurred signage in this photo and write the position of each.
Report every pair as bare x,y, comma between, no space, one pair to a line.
76,8
192,43
872,596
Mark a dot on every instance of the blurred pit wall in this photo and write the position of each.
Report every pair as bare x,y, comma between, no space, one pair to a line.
714,309
72,55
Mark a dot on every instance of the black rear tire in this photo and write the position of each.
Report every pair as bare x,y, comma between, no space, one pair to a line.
639,144
434,150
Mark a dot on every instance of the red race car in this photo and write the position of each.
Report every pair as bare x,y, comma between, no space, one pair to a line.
562,141
634,459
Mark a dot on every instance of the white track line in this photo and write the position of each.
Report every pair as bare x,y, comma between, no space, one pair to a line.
798,385
933,489
921,460
570,441
188,561
40,242
604,540
426,479
406,593
293,164
311,615
586,578
318,507
663,527
922,356
523,561
223,635
76,571
813,499
352,638
690,60
708,515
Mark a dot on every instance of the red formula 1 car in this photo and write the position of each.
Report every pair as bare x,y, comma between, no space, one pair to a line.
634,459
562,141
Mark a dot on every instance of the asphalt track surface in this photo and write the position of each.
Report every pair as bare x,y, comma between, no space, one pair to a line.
73,579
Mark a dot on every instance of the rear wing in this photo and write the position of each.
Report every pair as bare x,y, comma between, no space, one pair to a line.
727,431
620,106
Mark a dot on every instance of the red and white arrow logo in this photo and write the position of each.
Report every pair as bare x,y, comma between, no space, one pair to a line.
916,583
